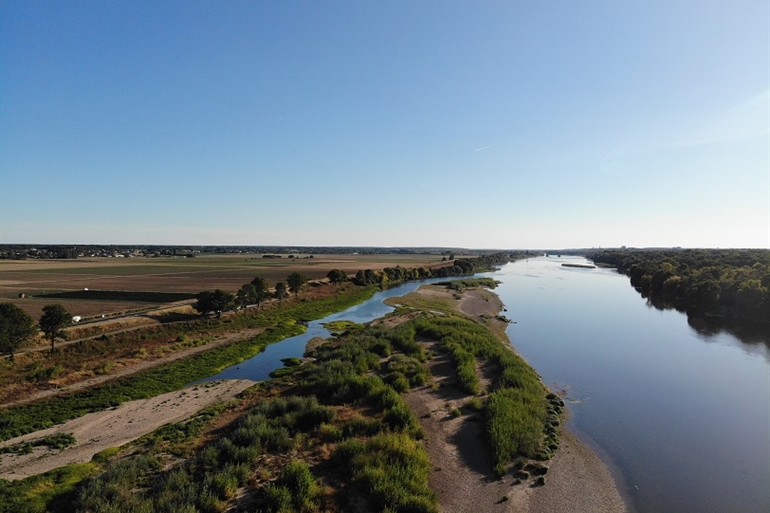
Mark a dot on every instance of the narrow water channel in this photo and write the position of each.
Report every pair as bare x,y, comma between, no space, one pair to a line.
259,367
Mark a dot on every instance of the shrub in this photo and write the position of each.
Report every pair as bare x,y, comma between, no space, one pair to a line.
398,381
297,478
276,499
394,469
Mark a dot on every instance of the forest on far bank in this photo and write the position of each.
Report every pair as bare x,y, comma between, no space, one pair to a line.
730,283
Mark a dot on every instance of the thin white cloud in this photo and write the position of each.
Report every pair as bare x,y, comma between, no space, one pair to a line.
484,147
743,121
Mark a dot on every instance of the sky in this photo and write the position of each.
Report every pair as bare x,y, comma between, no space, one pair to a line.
484,124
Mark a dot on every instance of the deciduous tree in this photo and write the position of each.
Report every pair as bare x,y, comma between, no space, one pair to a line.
54,319
16,327
246,295
280,291
337,276
215,301
295,281
262,289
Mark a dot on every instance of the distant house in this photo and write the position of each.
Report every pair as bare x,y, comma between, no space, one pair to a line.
76,318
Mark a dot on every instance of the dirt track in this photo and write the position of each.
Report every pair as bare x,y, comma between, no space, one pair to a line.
97,431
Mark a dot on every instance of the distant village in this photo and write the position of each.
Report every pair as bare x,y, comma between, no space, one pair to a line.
50,251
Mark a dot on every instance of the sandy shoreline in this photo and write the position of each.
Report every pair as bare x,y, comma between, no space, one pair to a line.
462,475
463,478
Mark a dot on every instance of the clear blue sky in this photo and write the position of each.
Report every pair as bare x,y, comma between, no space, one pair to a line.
510,124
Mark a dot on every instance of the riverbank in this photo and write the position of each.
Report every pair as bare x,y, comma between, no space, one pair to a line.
462,472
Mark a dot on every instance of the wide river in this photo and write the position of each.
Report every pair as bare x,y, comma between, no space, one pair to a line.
682,417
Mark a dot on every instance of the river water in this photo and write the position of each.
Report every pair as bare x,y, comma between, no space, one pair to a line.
683,417
259,367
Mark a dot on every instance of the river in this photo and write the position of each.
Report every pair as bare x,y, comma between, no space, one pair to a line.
259,367
682,417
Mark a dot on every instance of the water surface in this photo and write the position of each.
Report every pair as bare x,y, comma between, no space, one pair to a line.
260,366
684,415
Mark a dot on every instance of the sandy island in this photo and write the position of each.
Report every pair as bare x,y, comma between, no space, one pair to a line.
462,476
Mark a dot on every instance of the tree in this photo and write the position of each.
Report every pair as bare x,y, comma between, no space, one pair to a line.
280,291
16,327
337,276
246,295
262,288
295,281
54,319
215,301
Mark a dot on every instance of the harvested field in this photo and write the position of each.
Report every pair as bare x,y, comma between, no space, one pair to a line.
187,275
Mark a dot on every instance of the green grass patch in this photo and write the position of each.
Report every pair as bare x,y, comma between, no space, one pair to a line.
54,442
419,301
52,491
392,469
517,408
337,328
470,283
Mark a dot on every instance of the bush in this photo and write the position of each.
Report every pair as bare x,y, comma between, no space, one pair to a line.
276,499
298,479
394,469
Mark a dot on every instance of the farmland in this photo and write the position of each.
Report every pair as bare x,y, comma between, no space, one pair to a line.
34,278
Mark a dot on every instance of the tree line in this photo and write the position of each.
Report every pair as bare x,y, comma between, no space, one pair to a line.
258,290
731,283
252,293
459,267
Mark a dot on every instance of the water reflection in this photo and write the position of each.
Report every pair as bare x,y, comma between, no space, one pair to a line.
709,326
681,405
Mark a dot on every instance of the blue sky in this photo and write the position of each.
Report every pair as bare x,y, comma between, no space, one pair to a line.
465,124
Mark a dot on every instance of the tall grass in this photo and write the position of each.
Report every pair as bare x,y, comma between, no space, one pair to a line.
212,478
52,491
392,469
517,408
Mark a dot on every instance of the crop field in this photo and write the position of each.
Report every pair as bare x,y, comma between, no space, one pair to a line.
34,278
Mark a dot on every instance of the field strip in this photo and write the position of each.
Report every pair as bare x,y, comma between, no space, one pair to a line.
92,277
97,431
144,365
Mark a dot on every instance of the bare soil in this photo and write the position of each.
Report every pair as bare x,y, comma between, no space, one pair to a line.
97,431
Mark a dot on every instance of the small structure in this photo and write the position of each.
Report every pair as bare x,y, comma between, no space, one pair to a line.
76,318
22,295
